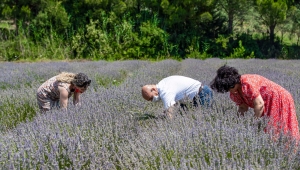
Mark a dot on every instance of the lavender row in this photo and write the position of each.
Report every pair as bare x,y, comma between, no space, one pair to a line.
116,129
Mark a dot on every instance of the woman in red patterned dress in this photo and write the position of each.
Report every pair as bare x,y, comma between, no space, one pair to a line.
264,96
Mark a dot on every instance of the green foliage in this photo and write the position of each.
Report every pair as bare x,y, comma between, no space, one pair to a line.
25,49
198,55
6,11
234,9
25,12
51,20
5,85
141,29
15,111
153,39
179,11
295,17
224,48
19,10
107,81
238,52
94,42
120,41
194,50
272,13
223,41
290,52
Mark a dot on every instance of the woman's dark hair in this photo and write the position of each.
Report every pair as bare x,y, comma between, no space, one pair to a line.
81,80
227,77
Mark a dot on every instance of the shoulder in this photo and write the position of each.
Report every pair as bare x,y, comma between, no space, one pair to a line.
249,78
51,80
64,85
63,89
178,78
252,78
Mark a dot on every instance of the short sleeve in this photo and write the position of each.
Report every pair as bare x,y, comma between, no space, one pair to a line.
167,105
250,88
236,98
168,100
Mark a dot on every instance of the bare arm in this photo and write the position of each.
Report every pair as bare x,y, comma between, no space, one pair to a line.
76,98
258,106
63,98
169,112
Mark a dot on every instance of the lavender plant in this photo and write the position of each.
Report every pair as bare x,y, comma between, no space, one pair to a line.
115,128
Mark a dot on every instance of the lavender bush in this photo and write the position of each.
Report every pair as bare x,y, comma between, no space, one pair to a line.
116,129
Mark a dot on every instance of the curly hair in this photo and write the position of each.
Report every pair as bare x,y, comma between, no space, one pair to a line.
65,77
81,80
227,77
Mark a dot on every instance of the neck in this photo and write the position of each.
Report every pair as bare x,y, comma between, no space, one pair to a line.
72,87
240,89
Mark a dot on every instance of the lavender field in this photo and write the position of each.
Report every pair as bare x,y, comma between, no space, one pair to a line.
116,129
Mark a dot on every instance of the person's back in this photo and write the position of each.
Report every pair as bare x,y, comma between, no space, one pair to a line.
253,85
267,98
263,82
175,88
49,89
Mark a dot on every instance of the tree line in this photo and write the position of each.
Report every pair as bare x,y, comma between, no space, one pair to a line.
149,29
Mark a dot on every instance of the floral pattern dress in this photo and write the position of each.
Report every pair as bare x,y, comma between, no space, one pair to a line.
48,94
278,103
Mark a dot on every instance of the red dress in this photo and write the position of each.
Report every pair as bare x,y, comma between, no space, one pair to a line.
279,103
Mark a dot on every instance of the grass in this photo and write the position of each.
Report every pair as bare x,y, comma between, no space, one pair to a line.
107,81
14,111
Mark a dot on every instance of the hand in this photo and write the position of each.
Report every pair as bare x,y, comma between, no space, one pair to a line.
169,115
257,122
240,114
169,112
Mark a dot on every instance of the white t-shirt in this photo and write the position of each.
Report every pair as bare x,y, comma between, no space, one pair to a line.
174,88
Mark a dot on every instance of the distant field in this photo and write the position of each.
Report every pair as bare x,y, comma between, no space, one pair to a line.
116,129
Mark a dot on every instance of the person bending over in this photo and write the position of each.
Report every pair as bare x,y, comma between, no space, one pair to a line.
175,89
263,95
56,91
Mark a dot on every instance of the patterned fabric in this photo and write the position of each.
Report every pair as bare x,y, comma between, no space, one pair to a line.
48,94
278,103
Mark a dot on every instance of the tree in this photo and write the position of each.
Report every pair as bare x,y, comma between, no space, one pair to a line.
272,13
82,11
52,18
183,19
20,11
296,23
234,9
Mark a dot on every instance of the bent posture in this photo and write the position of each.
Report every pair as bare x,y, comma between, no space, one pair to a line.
264,96
174,89
56,91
